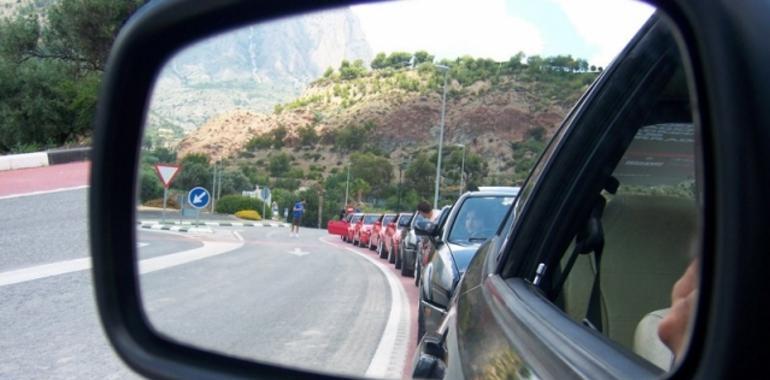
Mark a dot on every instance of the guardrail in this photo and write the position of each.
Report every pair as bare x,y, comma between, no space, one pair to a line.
39,159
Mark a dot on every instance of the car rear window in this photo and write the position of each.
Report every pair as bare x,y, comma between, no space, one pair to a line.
479,218
370,219
387,219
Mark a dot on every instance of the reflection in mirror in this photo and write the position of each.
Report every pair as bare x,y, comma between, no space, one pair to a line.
255,139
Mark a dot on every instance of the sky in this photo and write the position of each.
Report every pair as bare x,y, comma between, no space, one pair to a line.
595,30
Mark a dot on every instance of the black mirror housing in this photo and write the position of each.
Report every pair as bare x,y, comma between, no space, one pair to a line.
424,228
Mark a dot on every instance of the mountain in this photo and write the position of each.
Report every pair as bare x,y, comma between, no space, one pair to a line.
253,68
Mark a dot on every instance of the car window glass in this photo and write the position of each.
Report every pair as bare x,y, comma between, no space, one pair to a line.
369,219
479,218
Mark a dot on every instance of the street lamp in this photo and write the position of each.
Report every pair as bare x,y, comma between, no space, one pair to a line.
462,170
347,186
441,136
401,168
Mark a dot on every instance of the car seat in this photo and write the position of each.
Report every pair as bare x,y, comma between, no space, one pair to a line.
647,240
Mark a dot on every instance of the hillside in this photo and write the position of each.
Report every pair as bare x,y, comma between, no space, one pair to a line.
396,113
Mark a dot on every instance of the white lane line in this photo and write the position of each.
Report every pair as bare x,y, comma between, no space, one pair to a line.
389,358
209,249
43,192
37,272
42,271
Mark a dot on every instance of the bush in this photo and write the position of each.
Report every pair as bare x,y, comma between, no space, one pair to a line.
230,204
158,202
248,215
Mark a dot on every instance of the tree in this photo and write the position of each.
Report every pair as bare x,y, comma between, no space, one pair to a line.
50,70
376,171
279,165
422,56
307,135
420,175
378,62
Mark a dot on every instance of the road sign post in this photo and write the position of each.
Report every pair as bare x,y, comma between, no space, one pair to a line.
198,198
166,173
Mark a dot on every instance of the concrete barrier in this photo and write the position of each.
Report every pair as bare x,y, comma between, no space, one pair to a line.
63,156
22,161
38,159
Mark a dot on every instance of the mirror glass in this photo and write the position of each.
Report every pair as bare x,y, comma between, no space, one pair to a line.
261,141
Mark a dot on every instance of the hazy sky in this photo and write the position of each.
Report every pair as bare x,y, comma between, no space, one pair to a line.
592,29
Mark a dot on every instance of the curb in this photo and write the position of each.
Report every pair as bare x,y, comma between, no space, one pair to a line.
158,225
165,228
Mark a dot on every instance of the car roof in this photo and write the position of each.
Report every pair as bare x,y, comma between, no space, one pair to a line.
512,190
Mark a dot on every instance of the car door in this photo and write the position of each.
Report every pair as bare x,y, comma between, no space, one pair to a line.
616,210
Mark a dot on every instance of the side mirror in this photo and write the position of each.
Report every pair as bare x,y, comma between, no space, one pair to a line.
424,228
429,363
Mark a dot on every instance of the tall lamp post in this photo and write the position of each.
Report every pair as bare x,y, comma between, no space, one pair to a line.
441,136
401,168
347,186
462,170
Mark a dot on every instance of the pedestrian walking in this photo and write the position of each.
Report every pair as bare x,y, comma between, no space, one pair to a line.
296,217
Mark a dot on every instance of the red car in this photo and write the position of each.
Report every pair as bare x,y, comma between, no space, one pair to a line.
339,227
381,232
353,222
392,244
364,229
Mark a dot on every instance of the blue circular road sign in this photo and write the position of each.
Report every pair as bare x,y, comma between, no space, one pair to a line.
198,197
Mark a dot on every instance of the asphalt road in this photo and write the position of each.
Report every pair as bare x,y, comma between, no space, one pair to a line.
258,294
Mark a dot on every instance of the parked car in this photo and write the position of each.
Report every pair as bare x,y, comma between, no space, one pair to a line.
451,244
339,227
353,224
364,229
393,244
422,253
410,243
384,231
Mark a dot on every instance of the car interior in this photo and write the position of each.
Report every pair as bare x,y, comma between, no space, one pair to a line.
616,277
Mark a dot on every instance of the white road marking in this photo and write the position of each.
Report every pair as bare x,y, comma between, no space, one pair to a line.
43,192
389,358
37,272
209,249
238,235
298,252
140,244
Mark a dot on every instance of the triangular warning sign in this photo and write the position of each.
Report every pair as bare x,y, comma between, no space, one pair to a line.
167,173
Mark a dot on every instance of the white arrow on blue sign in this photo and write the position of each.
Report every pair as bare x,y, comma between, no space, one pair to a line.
198,197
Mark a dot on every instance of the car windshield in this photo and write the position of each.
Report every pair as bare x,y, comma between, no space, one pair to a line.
387,219
479,218
404,218
355,219
370,219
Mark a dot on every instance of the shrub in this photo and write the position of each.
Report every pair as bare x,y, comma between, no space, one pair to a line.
158,202
248,215
230,204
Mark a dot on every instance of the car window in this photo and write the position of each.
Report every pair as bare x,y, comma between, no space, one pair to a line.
621,284
479,218
370,219
387,219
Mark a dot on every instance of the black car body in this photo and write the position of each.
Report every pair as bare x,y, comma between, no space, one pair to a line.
402,227
450,246
411,243
425,246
